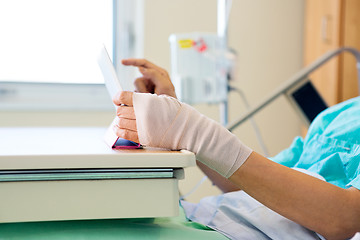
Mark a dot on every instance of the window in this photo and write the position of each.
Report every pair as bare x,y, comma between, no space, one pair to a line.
49,48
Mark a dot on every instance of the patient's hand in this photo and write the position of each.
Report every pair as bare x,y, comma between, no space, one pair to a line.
126,125
154,78
164,122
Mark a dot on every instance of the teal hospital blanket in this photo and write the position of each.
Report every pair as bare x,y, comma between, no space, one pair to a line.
145,229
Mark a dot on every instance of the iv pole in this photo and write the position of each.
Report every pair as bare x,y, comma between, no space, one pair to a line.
223,12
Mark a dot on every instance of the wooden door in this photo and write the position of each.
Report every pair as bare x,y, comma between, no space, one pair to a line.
322,34
351,38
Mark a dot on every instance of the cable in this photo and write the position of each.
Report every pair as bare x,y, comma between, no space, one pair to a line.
194,188
228,9
252,121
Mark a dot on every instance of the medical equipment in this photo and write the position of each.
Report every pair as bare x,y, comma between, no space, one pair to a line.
198,67
202,64
113,86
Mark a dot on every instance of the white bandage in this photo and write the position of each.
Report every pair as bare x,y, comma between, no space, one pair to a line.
165,122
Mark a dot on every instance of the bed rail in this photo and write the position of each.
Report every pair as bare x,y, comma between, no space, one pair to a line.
294,80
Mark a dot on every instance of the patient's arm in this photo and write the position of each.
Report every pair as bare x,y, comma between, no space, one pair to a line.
155,79
320,206
224,184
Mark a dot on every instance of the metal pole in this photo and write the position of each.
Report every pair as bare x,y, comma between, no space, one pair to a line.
223,7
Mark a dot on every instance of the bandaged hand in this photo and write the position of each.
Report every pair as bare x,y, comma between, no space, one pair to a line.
164,122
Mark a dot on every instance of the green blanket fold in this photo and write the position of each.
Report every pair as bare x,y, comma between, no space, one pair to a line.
144,229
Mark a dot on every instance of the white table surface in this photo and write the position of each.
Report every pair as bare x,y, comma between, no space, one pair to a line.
64,147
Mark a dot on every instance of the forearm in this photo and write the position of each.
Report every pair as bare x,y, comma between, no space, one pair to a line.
315,204
224,184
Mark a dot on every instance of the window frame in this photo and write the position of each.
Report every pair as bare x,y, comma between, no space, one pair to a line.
33,96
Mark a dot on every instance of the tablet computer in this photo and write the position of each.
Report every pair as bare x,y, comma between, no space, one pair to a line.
306,100
113,86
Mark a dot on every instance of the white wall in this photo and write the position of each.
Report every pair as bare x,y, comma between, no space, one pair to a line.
268,38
